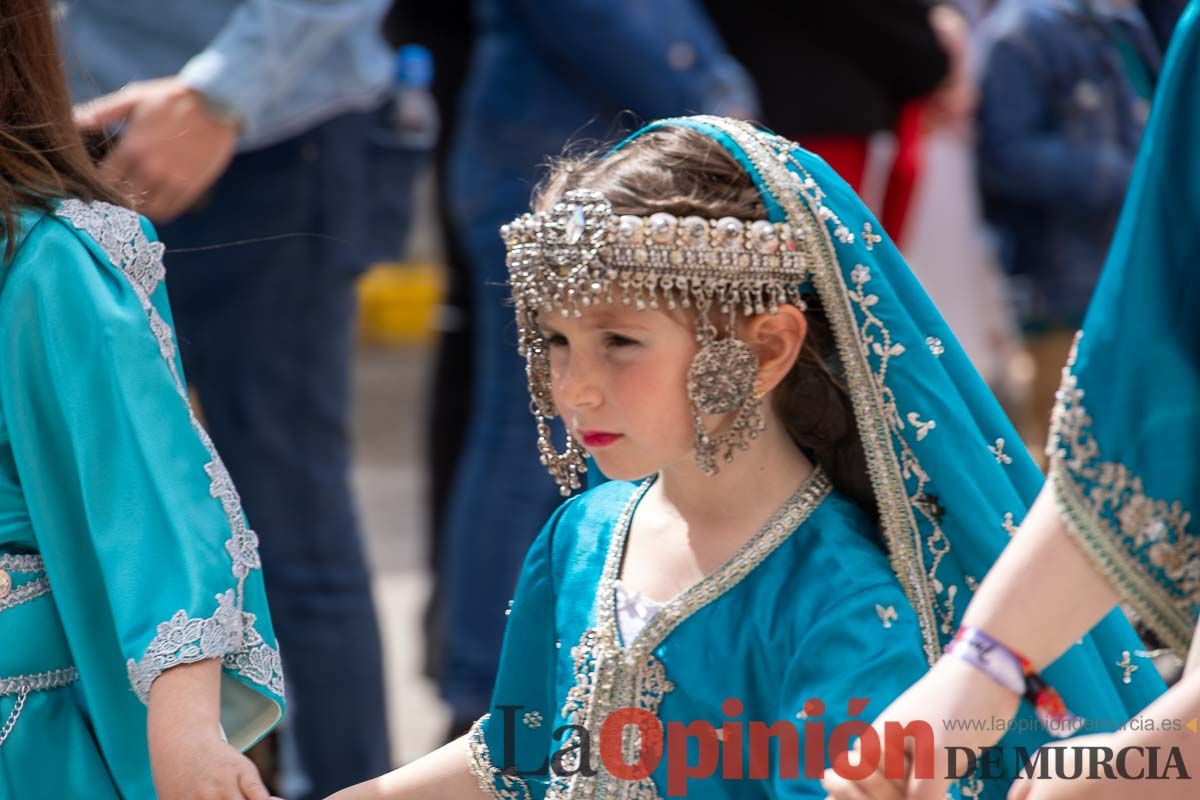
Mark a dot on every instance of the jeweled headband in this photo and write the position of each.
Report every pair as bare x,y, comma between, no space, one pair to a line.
580,253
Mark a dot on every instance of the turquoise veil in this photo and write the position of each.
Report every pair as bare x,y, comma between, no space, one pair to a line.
950,474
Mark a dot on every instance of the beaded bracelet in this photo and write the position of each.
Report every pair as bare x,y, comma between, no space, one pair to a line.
1014,672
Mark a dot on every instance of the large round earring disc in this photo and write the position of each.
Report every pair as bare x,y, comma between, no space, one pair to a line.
722,375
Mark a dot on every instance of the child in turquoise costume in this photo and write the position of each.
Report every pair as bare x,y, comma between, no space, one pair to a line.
134,627
807,480
123,549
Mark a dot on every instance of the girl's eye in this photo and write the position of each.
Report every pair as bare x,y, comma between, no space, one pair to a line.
617,340
555,339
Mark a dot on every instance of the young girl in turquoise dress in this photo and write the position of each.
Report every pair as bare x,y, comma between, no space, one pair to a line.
806,480
136,651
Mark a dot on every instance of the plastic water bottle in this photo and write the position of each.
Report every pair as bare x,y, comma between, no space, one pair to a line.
415,115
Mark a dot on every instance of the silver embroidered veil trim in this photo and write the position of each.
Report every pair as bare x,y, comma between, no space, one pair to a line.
229,634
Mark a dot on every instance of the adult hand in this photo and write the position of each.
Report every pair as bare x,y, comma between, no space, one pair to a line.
960,704
173,147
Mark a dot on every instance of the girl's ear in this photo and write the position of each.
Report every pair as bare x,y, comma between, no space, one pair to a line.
776,339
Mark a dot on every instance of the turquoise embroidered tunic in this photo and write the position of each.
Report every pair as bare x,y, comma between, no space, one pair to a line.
810,590
809,609
123,547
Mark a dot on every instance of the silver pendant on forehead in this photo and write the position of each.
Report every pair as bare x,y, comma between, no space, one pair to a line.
575,225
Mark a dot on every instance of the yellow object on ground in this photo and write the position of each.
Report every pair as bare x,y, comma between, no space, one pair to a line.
398,302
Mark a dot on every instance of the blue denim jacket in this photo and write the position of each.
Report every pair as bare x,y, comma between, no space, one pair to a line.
281,65
1059,125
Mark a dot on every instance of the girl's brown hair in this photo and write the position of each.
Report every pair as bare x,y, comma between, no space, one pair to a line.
42,156
683,172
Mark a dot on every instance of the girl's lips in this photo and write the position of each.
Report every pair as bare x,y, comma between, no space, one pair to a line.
598,438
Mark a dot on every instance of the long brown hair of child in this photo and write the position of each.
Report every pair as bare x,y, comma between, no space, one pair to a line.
683,172
42,156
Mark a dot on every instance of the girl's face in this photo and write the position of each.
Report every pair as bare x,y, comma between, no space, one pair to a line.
619,382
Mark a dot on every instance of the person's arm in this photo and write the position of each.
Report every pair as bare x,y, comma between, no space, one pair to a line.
180,132
267,49
1042,571
1177,707
188,756
441,775
473,766
173,147
951,106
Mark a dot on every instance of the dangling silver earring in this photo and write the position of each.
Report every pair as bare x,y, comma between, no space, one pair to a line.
564,467
722,380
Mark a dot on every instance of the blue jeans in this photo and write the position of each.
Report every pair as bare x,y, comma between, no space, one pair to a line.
265,329
502,495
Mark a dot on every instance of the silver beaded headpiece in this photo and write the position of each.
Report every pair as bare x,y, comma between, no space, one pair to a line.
580,253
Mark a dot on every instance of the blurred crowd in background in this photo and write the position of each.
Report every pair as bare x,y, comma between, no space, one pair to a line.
994,142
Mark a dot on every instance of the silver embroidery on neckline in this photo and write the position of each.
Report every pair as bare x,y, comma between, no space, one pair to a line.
229,634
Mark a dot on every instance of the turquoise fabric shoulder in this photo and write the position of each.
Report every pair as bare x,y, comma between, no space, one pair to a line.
1127,420
114,486
584,531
